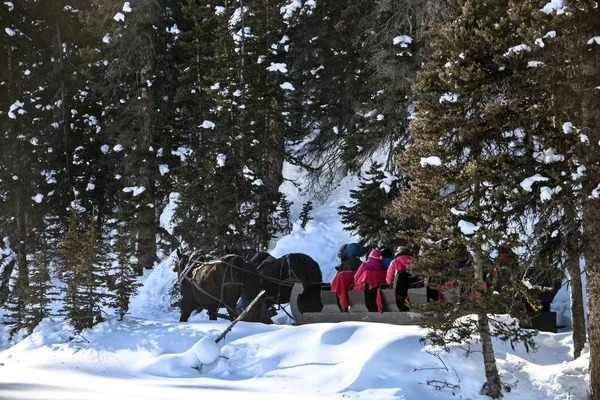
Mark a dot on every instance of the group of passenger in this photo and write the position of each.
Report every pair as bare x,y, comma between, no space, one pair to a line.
377,260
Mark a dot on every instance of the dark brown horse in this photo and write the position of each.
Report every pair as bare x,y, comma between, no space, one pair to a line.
209,285
279,275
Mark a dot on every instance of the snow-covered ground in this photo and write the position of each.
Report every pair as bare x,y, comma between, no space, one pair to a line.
152,356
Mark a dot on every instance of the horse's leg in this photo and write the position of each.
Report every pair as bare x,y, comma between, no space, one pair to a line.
186,311
212,315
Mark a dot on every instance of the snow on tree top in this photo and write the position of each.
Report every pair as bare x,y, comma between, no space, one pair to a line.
403,40
281,67
219,10
554,5
127,7
526,183
287,86
119,17
432,160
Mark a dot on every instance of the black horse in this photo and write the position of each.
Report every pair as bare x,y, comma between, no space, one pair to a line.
279,275
208,285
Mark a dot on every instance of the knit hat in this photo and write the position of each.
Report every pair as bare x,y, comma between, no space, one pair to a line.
375,254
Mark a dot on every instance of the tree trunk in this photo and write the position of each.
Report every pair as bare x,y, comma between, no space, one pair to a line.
576,291
493,384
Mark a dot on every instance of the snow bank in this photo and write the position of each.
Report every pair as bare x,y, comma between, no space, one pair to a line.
377,361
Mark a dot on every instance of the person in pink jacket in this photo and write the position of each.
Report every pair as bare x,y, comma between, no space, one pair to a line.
373,263
400,263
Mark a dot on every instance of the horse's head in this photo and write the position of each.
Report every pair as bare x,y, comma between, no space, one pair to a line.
182,259
196,257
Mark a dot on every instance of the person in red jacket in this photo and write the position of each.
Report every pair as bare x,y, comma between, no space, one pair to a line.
400,263
373,263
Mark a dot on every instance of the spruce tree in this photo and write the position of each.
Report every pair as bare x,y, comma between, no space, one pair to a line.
541,94
368,216
83,272
40,296
122,272
466,162
305,216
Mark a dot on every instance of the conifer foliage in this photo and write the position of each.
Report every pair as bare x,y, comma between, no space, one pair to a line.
463,140
369,216
83,272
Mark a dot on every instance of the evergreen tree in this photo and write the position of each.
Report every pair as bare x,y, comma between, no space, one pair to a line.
466,162
368,217
305,217
83,272
283,222
40,295
15,306
536,60
123,274
133,74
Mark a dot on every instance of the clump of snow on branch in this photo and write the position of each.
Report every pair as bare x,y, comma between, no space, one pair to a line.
403,40
127,7
449,98
517,49
386,183
119,17
221,158
432,160
287,86
281,67
528,182
468,228
557,6
208,125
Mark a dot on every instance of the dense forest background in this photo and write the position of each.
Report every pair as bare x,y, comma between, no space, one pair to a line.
483,117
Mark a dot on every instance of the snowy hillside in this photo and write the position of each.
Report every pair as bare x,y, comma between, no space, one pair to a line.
152,356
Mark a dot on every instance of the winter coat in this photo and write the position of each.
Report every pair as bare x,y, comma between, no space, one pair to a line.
400,263
372,264
351,264
350,250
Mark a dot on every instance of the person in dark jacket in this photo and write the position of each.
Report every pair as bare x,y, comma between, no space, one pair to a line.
373,263
400,263
349,255
387,255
